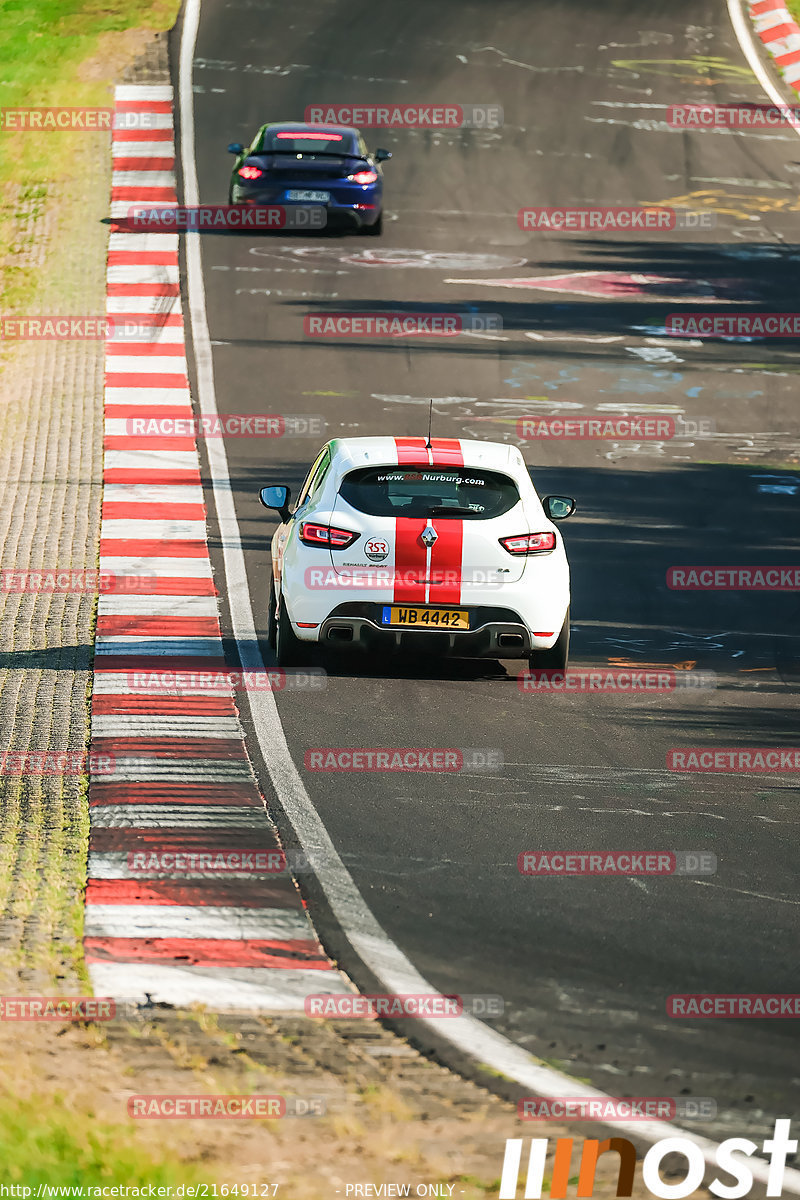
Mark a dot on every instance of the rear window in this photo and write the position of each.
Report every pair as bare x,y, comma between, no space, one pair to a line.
429,492
287,142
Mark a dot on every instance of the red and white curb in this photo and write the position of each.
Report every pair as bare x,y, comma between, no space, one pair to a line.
176,776
780,33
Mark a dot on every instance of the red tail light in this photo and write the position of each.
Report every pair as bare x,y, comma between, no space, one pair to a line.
529,543
364,177
326,535
250,172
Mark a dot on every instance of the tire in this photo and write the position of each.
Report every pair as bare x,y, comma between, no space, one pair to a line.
289,650
374,230
557,657
272,617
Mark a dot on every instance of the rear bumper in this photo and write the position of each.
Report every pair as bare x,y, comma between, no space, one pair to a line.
498,633
364,210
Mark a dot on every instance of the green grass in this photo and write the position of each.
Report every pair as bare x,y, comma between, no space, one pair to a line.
794,8
42,1142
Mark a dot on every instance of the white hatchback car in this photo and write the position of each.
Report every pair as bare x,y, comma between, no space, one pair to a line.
437,544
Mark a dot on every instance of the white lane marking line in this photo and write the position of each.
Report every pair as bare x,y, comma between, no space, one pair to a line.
222,989
746,39
370,942
194,921
743,892
184,816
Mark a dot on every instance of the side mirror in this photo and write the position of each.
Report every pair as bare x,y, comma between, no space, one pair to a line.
382,155
277,497
235,148
558,508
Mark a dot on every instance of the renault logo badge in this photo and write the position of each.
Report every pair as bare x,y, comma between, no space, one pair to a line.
429,536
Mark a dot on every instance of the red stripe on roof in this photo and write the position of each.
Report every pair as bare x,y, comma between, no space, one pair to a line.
447,452
411,451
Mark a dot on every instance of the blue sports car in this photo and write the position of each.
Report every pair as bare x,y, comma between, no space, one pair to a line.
296,163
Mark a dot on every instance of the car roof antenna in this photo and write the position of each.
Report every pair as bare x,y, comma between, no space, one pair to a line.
430,419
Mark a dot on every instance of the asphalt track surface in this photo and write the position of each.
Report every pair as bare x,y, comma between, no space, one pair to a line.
584,965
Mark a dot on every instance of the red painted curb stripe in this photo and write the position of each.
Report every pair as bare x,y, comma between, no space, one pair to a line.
151,379
135,625
142,164
236,795
142,258
142,475
152,106
765,6
786,60
129,441
120,510
141,289
143,349
159,666
178,412
193,749
130,703
207,952
142,548
255,892
142,135
173,586
152,320
143,196
777,32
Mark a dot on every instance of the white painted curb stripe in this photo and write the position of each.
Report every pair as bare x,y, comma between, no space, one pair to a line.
179,921
222,989
763,23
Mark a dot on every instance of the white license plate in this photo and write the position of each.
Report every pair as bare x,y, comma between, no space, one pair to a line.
314,197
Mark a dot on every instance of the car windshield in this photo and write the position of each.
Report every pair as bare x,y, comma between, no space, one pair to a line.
429,491
283,141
